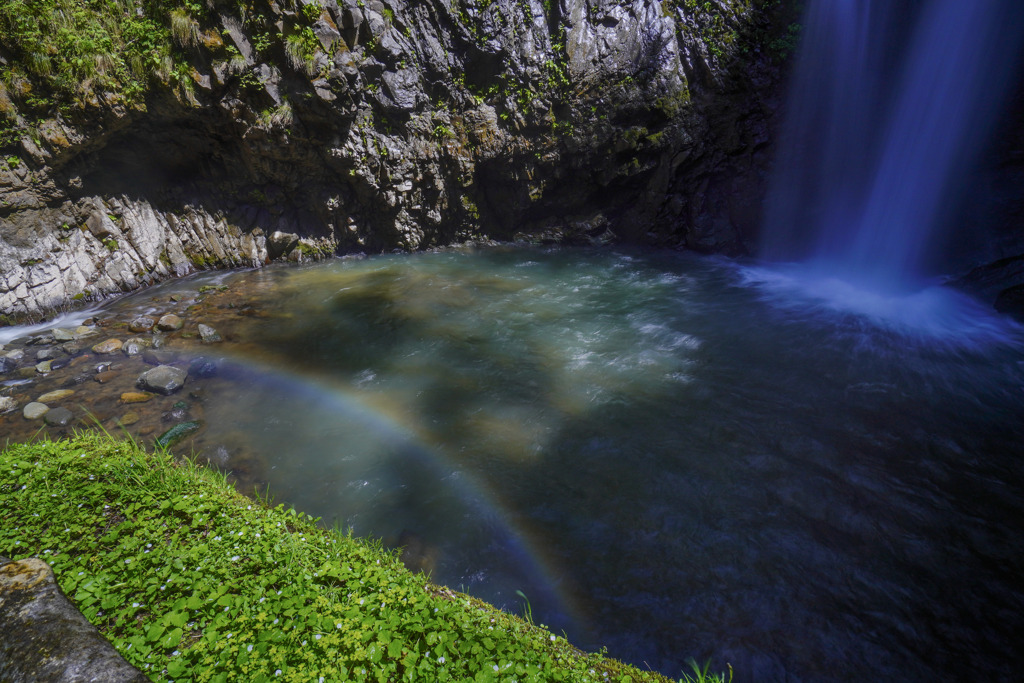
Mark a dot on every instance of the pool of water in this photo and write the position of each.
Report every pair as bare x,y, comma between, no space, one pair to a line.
669,456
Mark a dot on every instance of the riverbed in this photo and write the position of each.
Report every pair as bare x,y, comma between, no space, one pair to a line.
667,455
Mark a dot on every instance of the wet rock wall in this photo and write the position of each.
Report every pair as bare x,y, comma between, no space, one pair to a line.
407,125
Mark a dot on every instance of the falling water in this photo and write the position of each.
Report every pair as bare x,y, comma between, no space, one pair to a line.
889,108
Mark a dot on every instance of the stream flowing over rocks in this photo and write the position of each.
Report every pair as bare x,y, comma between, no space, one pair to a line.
414,124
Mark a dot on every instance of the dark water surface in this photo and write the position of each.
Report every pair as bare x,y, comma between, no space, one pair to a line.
670,456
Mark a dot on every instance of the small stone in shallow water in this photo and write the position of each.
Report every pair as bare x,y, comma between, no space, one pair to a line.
141,324
7,404
59,363
163,379
34,411
16,354
109,346
83,331
47,353
208,334
62,334
129,418
135,346
27,372
44,367
58,417
169,323
105,376
203,367
177,433
158,357
51,396
136,396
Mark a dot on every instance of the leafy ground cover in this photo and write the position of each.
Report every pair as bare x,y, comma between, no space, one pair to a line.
193,582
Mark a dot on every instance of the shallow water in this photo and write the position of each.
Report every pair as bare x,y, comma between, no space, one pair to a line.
671,456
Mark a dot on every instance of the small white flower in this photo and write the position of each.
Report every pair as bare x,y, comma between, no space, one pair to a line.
318,636
552,639
497,668
135,604
440,660
277,673
234,558
249,648
275,621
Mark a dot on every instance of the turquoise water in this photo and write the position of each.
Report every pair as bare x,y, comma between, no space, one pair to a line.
671,456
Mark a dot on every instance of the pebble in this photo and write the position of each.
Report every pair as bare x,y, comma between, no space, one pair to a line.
51,396
44,367
16,354
109,346
169,323
83,331
34,411
136,396
46,354
129,418
105,376
7,404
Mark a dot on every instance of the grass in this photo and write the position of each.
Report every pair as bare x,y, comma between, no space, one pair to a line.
191,581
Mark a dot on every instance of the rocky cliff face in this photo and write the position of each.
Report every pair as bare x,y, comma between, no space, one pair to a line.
379,124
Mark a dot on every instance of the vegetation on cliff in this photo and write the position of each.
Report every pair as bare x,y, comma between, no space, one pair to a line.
193,582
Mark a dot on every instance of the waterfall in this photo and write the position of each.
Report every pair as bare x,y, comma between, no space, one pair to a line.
889,107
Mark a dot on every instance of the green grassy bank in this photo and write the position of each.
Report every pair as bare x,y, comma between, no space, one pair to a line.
191,581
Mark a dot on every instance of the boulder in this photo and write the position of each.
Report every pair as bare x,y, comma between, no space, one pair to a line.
44,636
163,379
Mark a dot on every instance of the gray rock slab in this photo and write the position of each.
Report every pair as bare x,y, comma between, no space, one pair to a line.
45,638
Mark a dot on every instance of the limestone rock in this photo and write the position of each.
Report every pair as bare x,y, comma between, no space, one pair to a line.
163,379
45,638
